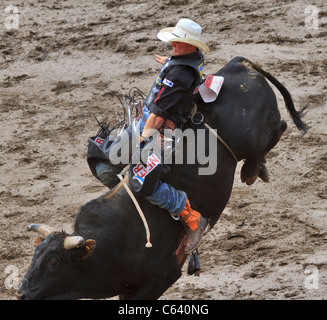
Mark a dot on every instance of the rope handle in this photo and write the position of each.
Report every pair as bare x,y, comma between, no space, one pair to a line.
222,141
130,193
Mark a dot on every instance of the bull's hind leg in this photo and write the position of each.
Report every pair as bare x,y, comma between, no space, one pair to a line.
250,170
255,167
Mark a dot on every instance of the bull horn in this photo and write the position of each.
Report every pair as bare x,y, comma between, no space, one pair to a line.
41,228
72,242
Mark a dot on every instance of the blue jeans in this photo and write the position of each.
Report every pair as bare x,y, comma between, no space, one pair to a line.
166,197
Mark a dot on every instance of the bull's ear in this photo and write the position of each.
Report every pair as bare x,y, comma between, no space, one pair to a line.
88,248
37,241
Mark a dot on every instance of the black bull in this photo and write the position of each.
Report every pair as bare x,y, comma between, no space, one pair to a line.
247,118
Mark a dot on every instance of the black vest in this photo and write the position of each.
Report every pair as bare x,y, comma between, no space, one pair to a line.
177,116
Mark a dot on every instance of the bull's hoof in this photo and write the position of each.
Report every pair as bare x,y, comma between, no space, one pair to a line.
263,173
250,181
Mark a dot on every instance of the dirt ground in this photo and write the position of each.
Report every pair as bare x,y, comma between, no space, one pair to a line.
61,67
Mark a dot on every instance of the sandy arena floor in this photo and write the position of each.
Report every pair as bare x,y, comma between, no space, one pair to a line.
62,66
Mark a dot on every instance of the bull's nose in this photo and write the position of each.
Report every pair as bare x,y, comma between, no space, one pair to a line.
21,296
23,291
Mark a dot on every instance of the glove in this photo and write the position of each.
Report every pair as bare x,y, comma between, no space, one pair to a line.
143,140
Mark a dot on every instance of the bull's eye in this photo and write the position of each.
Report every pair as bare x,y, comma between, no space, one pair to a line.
53,260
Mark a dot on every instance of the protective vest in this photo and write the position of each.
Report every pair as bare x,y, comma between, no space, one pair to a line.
185,105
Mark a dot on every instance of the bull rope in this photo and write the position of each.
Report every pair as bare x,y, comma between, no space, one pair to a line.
137,206
221,140
130,193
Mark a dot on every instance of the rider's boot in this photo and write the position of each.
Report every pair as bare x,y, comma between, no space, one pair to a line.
107,174
195,226
177,203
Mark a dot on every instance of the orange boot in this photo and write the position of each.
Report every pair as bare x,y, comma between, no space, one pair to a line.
195,227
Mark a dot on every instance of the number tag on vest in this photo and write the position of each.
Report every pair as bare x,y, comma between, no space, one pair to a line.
140,172
210,89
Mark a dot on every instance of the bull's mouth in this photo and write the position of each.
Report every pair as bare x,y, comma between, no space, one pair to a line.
54,297
26,292
65,296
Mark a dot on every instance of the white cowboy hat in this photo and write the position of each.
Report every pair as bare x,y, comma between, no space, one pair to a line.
186,31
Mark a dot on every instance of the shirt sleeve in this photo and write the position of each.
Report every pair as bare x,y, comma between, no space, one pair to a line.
175,85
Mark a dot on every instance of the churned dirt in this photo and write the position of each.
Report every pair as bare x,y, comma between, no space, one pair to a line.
62,66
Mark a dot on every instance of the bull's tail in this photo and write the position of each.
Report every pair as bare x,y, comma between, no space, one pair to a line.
296,115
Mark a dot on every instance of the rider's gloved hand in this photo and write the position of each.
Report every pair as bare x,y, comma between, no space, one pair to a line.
143,140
